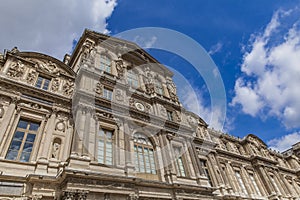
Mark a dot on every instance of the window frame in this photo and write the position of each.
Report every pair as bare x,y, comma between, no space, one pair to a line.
181,169
253,180
107,93
241,182
105,141
44,80
204,165
105,63
132,77
26,131
147,157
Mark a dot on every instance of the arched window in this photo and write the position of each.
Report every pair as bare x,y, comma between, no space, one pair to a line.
132,79
144,154
105,63
158,87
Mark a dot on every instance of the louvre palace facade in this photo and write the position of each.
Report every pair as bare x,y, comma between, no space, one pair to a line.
106,123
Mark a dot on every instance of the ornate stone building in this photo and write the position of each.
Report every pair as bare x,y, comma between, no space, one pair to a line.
106,123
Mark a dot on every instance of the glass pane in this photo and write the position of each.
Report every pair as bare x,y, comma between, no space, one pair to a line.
22,124
39,82
46,84
30,138
12,155
27,147
15,145
25,157
108,134
19,136
34,126
101,133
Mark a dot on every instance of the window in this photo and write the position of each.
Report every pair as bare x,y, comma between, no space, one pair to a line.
144,154
107,93
170,115
42,83
158,87
240,181
179,162
105,146
274,183
22,143
203,164
132,79
254,184
105,63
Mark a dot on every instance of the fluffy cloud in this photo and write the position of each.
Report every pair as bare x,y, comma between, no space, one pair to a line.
269,85
285,142
50,26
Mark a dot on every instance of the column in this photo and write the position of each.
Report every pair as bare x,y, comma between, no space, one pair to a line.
47,137
7,118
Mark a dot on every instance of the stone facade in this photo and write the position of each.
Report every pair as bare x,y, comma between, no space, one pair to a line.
106,123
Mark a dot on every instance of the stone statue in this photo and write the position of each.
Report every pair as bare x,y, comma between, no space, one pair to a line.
149,81
55,150
120,67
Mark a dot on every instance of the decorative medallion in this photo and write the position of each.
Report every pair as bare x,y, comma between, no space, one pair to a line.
139,106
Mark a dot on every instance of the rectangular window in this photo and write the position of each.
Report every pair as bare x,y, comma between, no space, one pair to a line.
105,63
179,162
241,182
203,164
132,79
105,146
254,184
274,183
42,83
22,143
107,94
170,115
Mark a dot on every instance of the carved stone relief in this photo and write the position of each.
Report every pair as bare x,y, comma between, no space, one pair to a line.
120,67
16,69
55,84
99,89
119,95
48,67
172,89
60,125
68,87
31,77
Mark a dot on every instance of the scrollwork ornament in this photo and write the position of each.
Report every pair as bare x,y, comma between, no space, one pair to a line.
16,69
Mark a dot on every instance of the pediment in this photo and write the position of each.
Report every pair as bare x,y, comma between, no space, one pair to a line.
47,64
255,140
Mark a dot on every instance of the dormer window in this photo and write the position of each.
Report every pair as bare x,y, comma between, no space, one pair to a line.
42,83
105,63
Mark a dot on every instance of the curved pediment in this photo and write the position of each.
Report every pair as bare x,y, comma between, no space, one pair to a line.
255,140
47,64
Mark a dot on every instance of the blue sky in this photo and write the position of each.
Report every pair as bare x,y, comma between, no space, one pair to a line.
226,29
254,44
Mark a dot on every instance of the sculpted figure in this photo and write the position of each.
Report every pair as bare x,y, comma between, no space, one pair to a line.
68,88
16,69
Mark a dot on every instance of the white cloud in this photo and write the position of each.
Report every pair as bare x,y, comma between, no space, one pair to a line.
145,42
192,99
50,26
269,85
285,142
215,48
